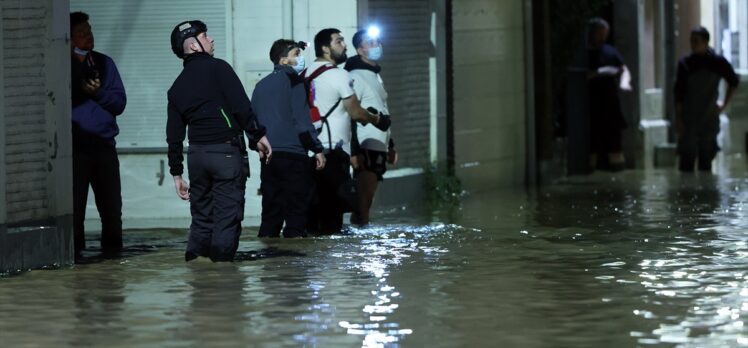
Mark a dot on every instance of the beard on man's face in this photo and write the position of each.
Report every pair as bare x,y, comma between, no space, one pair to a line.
339,58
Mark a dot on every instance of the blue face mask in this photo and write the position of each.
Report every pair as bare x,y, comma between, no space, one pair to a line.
300,64
375,53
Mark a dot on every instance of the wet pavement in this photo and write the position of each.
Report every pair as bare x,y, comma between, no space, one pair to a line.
629,259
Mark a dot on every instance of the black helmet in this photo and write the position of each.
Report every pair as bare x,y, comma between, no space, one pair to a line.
183,31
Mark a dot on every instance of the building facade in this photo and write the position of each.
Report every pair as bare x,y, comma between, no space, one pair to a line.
455,72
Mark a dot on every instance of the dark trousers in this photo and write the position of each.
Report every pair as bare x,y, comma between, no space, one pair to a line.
286,193
97,166
327,209
218,177
697,144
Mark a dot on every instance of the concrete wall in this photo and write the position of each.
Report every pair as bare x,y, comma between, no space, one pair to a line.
35,209
489,93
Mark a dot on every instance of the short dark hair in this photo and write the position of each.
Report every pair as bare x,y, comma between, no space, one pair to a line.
323,38
77,18
701,32
280,49
598,23
358,38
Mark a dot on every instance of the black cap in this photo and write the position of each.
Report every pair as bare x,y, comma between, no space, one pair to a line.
184,31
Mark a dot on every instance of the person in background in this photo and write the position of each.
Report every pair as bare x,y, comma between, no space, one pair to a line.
607,75
697,105
98,97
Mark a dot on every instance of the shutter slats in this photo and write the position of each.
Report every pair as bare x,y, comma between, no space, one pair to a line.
136,36
406,26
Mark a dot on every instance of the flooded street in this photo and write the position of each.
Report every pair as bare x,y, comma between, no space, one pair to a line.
618,260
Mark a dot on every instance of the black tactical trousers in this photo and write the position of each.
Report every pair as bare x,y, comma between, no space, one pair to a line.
218,177
327,208
286,193
97,165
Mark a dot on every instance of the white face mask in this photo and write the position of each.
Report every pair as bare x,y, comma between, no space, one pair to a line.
300,64
80,52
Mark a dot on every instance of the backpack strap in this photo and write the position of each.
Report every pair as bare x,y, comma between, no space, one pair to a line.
318,72
324,118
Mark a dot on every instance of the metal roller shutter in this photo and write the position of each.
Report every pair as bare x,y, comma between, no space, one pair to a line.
406,26
24,31
136,35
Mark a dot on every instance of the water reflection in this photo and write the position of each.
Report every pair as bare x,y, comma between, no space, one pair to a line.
217,304
98,302
627,259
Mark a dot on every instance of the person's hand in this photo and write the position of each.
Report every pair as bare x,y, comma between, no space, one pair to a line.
392,156
720,107
384,123
321,161
355,161
183,190
265,150
91,87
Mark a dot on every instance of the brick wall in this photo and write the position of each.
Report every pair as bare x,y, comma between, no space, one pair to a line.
23,49
35,151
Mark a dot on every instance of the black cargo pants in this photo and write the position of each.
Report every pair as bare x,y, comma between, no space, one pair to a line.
218,177
287,183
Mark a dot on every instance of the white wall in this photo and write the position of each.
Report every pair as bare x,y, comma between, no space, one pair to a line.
489,93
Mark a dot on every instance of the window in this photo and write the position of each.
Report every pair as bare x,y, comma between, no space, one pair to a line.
731,36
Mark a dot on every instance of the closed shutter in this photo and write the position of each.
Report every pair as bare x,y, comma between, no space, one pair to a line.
406,28
24,31
136,34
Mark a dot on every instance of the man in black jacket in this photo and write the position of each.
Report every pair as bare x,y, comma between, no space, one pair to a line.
208,101
697,104
280,101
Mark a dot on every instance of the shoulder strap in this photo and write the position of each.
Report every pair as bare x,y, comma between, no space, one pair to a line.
308,80
319,71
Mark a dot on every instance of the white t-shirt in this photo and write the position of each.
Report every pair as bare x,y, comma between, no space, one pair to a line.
329,87
370,91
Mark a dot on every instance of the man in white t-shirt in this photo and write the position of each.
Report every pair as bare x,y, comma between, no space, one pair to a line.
335,101
376,148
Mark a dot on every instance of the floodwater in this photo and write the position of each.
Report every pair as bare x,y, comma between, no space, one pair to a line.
617,260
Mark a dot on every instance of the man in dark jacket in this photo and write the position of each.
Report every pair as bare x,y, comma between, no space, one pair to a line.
280,101
98,98
208,103
607,75
696,102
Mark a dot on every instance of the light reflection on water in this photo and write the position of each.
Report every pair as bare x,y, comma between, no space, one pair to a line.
607,260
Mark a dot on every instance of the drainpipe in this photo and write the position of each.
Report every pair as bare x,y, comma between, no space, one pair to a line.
450,90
